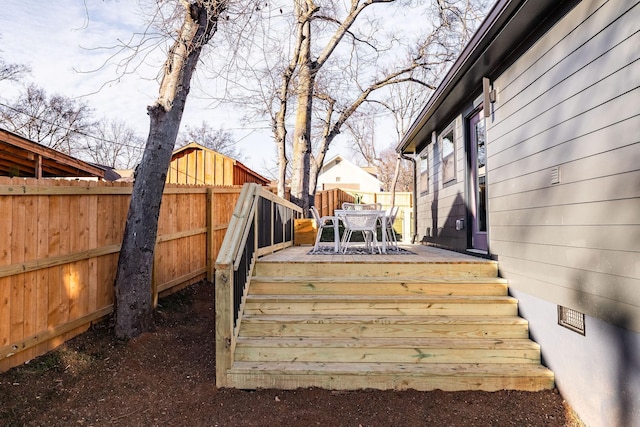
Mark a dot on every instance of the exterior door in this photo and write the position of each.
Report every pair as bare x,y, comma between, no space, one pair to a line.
478,182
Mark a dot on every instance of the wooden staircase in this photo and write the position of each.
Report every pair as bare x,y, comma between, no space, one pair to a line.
346,325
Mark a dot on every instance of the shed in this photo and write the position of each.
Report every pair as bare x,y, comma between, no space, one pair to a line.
21,157
198,165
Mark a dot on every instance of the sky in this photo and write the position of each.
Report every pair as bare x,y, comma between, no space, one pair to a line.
57,39
63,42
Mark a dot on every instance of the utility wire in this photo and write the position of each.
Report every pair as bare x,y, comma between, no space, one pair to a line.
101,139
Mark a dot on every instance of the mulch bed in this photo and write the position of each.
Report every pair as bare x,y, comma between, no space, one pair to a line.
167,377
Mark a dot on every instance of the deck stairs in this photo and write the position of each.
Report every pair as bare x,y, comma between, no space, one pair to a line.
346,325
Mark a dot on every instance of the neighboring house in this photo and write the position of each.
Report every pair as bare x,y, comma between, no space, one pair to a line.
195,164
529,152
20,157
341,173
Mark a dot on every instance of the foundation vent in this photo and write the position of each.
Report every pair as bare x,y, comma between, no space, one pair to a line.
555,175
571,319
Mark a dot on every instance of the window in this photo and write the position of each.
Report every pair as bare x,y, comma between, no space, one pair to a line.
424,171
448,149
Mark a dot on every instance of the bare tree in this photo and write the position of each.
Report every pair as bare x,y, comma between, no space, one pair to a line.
133,277
12,72
56,121
218,140
395,175
401,104
114,144
339,58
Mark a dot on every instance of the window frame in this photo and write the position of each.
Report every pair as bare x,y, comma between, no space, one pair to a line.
448,161
424,171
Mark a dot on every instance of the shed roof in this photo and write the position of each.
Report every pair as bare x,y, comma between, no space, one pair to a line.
22,157
508,30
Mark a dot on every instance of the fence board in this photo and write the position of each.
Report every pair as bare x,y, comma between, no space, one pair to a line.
30,279
6,227
5,311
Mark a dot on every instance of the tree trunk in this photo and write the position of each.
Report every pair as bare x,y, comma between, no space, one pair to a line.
133,280
134,307
302,133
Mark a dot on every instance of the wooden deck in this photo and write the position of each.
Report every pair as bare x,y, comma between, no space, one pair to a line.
433,319
421,254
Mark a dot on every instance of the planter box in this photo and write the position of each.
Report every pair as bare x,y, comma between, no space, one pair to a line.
304,231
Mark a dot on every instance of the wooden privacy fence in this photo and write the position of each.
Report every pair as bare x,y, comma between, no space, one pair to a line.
59,246
326,201
402,199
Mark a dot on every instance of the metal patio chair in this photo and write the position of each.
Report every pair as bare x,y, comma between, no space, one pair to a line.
389,220
322,223
364,221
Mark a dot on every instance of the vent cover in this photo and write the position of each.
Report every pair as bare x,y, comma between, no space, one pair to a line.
571,319
555,175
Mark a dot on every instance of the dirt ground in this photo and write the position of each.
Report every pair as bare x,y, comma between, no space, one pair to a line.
167,377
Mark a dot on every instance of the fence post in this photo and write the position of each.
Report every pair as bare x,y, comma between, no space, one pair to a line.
332,201
209,250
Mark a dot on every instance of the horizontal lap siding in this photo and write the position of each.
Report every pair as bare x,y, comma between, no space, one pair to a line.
572,102
443,204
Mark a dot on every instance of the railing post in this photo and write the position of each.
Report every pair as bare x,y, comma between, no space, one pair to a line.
224,323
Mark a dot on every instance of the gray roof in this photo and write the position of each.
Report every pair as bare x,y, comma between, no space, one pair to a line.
510,27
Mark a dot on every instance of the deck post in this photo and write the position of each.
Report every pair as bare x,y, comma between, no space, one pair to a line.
224,323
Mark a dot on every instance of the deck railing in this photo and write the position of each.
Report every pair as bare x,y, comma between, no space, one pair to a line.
262,223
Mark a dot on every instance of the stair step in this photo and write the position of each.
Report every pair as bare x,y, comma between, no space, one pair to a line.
418,376
381,305
377,286
384,326
387,350
371,268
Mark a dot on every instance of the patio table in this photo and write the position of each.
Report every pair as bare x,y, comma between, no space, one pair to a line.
341,213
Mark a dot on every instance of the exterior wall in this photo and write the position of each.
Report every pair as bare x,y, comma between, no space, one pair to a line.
441,204
200,167
571,102
345,174
242,175
197,165
599,373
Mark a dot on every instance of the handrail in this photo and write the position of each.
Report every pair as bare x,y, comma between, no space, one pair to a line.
237,223
245,235
261,223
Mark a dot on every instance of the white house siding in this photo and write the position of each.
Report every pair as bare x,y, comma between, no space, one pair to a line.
572,101
345,174
442,204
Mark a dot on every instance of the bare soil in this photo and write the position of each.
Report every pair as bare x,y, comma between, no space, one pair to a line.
167,377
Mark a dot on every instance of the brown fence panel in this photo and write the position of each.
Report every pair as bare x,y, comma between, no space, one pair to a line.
59,245
222,203
327,201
